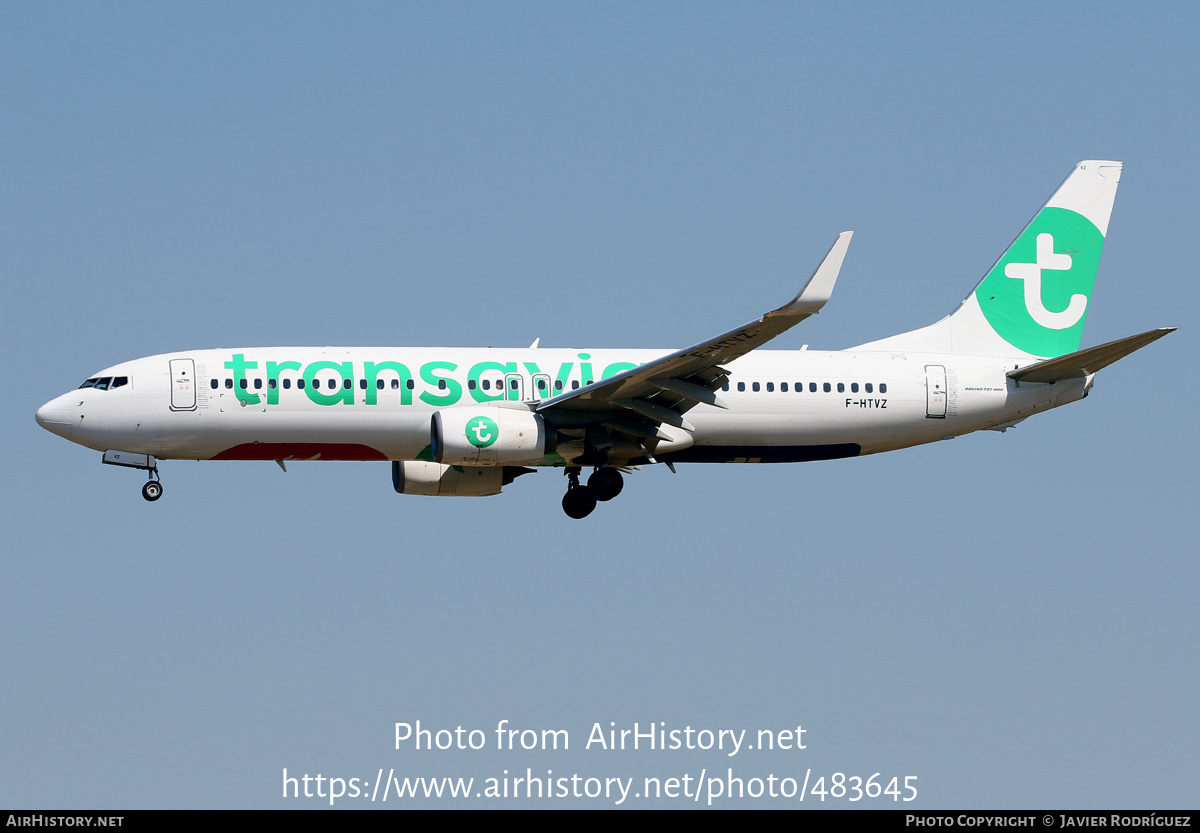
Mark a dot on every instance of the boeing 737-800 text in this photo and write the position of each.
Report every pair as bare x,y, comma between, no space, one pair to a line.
468,421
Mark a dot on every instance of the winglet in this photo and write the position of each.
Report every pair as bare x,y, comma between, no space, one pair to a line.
687,372
819,288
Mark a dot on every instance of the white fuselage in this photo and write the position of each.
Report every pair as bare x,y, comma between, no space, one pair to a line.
367,403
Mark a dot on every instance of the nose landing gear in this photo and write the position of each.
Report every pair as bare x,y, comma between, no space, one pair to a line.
153,490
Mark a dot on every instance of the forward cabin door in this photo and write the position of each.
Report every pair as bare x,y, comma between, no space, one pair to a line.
183,385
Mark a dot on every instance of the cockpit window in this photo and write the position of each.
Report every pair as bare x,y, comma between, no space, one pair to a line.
105,382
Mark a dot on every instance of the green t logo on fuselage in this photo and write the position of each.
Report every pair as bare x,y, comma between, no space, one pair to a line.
1036,296
482,432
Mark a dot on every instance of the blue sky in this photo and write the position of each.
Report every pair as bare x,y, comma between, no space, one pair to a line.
1011,618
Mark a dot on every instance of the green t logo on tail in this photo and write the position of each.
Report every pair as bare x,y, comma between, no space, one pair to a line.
482,432
1036,296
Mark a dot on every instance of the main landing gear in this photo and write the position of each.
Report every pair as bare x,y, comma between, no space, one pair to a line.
580,501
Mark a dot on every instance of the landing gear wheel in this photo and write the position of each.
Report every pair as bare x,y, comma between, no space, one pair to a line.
606,483
579,502
152,491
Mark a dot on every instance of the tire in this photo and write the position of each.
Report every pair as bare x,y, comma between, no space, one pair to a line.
579,502
152,491
606,483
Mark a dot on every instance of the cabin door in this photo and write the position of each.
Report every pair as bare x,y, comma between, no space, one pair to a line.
935,391
183,385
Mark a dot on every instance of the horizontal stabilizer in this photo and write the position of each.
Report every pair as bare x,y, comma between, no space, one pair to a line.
1085,362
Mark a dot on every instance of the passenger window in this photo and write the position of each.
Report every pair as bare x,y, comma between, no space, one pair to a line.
541,384
441,384
725,387
812,387
783,387
347,384
272,383
258,384
770,387
410,384
228,384
512,384
574,384
883,387
841,388
395,384
213,384
826,387
741,387
470,384
379,384
243,384
332,384
756,387
854,387
362,384
558,384
869,388
287,384
300,384
487,385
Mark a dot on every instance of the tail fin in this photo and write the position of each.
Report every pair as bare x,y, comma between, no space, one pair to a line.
1034,301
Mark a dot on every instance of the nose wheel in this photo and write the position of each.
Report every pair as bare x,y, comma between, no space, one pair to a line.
153,490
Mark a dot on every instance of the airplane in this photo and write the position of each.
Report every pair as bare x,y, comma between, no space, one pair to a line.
469,421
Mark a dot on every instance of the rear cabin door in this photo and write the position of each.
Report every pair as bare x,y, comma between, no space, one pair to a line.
935,391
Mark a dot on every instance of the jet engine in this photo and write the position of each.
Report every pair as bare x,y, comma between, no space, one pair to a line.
489,436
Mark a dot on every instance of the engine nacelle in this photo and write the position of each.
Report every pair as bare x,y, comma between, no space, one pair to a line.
489,436
415,477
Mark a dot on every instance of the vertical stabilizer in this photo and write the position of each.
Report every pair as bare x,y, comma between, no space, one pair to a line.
1034,300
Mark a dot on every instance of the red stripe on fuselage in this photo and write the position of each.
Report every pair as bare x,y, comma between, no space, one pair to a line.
300,451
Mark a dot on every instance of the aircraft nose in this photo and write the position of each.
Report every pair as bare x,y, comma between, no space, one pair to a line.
57,416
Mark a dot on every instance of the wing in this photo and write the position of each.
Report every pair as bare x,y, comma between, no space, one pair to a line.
637,402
